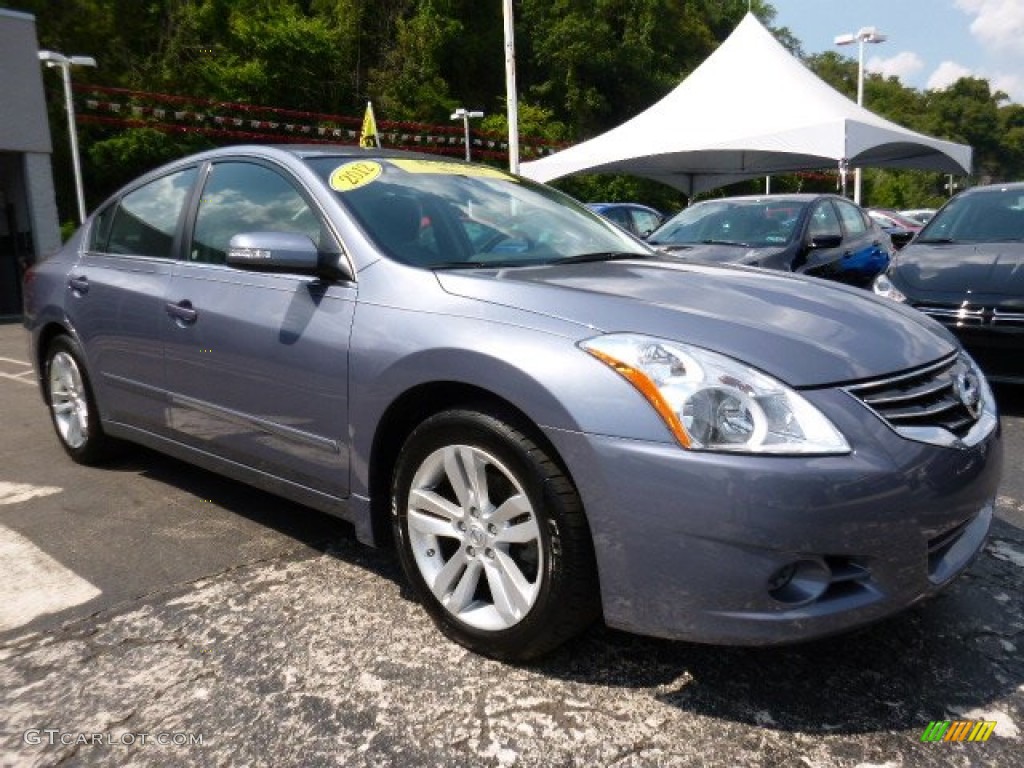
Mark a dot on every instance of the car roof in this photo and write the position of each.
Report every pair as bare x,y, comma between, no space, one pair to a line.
1009,186
795,197
307,151
621,205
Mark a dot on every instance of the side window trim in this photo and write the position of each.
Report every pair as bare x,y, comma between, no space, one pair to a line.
99,227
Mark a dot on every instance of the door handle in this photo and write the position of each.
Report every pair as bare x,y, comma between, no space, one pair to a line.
79,284
182,312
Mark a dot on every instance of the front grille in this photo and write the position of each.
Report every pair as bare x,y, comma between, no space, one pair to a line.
973,317
927,397
1007,319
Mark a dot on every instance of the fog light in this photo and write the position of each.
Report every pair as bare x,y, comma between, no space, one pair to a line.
800,582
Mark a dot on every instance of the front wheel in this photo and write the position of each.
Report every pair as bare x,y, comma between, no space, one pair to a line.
72,405
492,536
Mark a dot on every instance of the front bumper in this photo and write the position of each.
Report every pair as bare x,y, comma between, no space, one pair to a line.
699,546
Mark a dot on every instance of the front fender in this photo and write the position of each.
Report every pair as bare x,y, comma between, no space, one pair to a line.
544,375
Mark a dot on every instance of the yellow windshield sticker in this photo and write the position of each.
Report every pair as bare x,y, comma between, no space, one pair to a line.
351,176
449,169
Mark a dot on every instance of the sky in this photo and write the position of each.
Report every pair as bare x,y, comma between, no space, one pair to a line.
931,43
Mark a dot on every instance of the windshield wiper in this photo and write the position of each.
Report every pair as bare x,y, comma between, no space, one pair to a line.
934,240
483,264
725,242
582,258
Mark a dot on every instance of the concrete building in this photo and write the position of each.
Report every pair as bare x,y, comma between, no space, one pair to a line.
29,227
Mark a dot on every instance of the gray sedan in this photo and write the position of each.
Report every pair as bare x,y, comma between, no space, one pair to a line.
551,422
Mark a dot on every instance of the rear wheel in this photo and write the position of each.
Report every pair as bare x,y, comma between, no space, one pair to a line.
492,536
72,405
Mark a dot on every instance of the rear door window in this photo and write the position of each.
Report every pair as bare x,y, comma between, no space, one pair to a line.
824,221
100,232
853,218
146,219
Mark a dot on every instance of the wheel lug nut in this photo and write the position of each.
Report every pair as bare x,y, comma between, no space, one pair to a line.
471,551
489,552
461,526
431,552
492,528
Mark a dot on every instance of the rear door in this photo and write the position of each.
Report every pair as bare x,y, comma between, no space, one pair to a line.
864,251
116,297
257,362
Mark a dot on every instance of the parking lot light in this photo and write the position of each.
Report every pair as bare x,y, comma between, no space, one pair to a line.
864,35
464,115
54,59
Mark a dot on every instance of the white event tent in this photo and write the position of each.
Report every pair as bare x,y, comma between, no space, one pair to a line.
750,109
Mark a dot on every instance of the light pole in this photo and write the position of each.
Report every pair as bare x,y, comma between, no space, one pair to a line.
511,97
65,63
864,35
464,115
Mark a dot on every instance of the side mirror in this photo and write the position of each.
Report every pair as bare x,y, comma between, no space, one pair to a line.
901,237
284,252
826,241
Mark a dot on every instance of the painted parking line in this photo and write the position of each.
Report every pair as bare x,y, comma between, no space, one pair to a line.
32,583
23,373
19,378
15,493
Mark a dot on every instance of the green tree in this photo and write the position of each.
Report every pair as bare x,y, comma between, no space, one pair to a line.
968,112
409,83
132,152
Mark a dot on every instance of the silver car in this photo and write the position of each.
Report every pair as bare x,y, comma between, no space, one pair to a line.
551,422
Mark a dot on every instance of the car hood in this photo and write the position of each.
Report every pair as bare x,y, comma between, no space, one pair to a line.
804,331
720,254
995,269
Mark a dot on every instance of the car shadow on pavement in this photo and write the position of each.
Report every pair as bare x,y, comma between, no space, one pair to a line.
957,653
303,524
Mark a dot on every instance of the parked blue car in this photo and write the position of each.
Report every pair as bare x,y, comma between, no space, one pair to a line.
550,421
637,219
821,235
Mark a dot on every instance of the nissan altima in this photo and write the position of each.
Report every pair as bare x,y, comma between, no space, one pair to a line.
551,422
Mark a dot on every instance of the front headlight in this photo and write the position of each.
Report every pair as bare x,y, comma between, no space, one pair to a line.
883,286
714,403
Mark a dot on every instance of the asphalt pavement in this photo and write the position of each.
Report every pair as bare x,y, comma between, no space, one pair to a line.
155,614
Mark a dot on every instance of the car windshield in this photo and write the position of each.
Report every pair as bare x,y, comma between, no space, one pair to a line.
443,214
995,215
752,223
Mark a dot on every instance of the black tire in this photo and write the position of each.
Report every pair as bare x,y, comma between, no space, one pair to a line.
72,405
529,534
